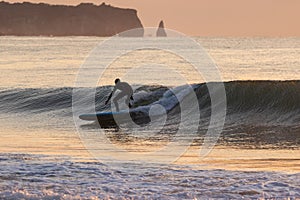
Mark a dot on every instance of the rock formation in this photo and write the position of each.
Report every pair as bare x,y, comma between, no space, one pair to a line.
86,19
161,30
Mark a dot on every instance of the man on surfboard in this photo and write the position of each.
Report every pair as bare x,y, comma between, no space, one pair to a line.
126,90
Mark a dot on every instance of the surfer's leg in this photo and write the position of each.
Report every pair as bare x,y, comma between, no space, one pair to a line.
129,97
119,96
117,106
127,101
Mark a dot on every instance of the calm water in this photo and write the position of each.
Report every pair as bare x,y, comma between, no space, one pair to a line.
28,62
42,154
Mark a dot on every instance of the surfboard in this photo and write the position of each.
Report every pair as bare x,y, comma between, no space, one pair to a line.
107,119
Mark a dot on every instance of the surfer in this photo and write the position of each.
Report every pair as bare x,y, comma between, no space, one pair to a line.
126,90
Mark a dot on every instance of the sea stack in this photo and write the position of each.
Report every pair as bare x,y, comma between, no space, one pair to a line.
161,30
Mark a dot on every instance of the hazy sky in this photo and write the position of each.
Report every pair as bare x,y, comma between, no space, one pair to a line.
213,17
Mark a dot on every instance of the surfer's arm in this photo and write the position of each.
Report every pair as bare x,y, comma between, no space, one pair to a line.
110,96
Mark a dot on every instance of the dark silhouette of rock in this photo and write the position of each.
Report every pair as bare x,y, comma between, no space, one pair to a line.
85,19
161,30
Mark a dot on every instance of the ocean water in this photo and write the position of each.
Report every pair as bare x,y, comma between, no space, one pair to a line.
45,154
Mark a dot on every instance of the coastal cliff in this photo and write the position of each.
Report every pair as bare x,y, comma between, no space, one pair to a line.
86,19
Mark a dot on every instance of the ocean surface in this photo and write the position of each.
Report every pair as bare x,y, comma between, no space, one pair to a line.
47,152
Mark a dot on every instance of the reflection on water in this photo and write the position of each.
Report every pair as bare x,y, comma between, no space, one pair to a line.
262,137
233,151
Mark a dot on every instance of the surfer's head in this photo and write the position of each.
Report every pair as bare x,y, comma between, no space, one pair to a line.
117,80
